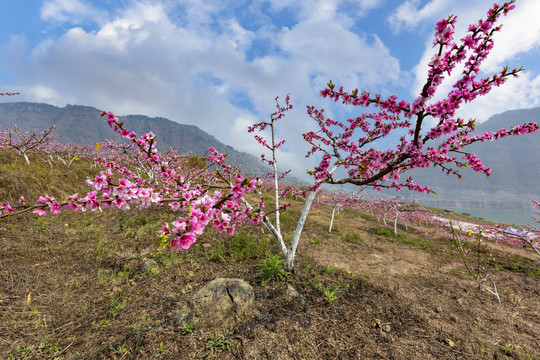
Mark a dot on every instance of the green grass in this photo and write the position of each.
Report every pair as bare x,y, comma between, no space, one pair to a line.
367,217
404,239
240,247
351,237
273,269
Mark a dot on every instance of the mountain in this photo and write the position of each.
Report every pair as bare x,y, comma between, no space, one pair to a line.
515,176
84,125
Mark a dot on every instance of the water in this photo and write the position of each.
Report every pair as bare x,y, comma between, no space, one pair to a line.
501,216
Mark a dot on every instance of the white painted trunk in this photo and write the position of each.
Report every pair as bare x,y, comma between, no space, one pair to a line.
395,222
289,257
332,219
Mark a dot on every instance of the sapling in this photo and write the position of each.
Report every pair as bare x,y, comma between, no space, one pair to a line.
25,143
477,259
339,200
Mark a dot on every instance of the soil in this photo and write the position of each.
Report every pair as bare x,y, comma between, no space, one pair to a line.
91,286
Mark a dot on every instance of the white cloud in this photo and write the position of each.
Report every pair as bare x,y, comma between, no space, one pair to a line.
219,65
236,35
347,56
45,94
326,9
198,65
72,11
520,34
408,15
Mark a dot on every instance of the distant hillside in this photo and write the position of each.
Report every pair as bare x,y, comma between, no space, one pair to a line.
515,163
83,125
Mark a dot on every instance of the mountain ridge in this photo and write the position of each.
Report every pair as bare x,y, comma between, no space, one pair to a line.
515,177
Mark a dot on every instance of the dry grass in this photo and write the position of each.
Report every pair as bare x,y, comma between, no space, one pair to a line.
87,286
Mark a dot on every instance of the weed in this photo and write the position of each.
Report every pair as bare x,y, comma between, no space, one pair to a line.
102,249
141,220
315,241
159,350
121,222
120,278
534,272
366,276
273,268
122,350
141,327
100,324
507,350
169,258
460,270
219,343
329,295
332,270
514,267
39,321
51,349
117,306
351,237
191,257
315,282
286,218
186,328
41,224
22,351
531,356
386,232
403,239
244,246
218,252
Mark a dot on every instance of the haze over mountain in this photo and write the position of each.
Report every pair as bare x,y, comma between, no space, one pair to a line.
515,176
84,125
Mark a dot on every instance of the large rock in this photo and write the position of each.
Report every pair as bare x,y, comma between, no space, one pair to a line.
221,303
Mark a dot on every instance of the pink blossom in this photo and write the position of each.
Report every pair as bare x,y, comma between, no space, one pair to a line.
40,212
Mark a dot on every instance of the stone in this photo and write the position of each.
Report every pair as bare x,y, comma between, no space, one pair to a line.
295,298
220,304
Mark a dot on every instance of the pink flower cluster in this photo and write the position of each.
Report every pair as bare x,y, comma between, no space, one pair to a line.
340,144
183,190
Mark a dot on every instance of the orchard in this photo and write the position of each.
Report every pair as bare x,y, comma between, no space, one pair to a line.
205,193
219,197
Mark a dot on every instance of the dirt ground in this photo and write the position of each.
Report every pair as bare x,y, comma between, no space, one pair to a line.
424,277
89,287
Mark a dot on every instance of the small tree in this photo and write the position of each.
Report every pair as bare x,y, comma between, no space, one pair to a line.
340,145
25,143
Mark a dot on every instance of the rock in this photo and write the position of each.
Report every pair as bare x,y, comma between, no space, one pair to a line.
221,303
450,342
295,298
291,292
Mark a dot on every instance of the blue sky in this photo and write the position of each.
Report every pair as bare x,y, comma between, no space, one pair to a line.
218,64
